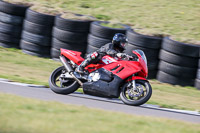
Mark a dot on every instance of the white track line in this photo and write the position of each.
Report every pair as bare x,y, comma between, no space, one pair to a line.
115,100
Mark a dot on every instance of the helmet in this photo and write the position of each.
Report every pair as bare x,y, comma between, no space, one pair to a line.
119,41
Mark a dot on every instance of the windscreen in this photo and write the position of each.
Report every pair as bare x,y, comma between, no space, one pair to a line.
142,55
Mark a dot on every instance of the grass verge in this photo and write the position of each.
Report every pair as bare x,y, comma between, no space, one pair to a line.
23,115
20,67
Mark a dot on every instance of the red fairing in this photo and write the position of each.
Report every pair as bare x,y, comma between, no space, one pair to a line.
124,69
72,55
121,68
136,78
104,61
143,65
92,67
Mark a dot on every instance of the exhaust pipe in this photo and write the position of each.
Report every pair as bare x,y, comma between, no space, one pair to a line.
69,69
66,64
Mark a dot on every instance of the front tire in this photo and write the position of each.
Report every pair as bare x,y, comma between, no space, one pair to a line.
136,97
62,85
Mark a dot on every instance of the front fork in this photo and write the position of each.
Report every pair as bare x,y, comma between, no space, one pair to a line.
133,84
134,90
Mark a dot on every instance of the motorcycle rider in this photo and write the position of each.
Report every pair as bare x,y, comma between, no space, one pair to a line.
114,49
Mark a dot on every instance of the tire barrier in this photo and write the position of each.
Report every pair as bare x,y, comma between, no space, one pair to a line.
9,41
91,49
150,45
100,35
40,18
36,35
197,80
180,48
37,28
97,41
69,34
43,35
167,78
55,53
11,21
73,25
178,63
13,9
38,49
197,84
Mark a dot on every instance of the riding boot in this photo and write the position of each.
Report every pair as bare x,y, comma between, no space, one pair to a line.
80,68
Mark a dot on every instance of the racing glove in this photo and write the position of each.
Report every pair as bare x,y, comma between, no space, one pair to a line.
123,56
126,56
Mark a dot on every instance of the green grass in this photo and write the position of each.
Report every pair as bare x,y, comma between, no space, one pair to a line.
178,18
112,25
20,67
23,115
176,97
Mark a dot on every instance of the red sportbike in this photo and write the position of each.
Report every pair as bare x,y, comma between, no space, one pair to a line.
111,77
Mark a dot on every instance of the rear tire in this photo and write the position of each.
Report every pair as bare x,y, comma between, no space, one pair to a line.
130,100
70,86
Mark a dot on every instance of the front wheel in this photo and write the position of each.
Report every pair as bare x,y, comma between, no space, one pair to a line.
59,83
138,95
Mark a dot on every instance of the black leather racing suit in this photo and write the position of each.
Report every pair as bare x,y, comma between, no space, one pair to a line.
107,49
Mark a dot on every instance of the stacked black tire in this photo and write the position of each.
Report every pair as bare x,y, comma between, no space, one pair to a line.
36,35
197,80
178,63
100,35
150,45
69,34
11,21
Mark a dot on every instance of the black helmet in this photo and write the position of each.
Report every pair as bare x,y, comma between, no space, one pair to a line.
120,41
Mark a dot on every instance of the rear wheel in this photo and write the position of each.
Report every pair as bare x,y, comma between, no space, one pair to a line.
60,83
137,95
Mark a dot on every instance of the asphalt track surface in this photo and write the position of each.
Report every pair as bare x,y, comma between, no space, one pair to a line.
95,102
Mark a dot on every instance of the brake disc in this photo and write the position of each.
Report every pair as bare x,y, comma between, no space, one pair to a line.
135,92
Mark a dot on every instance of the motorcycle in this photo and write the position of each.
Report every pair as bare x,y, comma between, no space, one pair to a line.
110,78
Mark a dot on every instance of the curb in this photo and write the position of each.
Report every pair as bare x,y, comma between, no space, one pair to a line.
21,84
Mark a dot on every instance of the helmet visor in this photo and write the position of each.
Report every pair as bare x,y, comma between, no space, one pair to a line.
124,43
